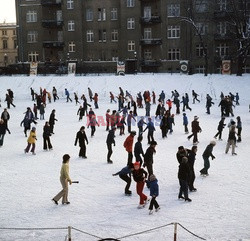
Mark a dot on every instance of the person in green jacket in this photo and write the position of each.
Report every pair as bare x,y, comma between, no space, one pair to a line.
64,179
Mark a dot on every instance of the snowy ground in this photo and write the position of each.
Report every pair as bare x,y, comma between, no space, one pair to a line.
219,210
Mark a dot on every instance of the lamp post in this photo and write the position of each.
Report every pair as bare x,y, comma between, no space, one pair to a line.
135,56
5,59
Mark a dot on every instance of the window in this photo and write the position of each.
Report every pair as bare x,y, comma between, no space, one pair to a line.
102,36
200,50
70,4
131,23
202,28
90,36
72,46
33,56
4,32
5,44
14,32
173,10
222,49
89,14
31,16
32,36
15,43
71,25
114,14
222,28
174,54
147,54
115,59
101,14
222,5
147,12
246,69
114,35
131,45
200,69
201,6
173,31
147,33
130,3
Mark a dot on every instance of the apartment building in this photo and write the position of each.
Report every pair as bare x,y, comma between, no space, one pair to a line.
148,35
8,44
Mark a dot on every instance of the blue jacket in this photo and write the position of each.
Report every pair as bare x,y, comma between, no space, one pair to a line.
154,188
185,120
126,170
150,127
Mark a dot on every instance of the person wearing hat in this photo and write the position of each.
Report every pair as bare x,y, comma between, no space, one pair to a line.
182,152
64,179
220,128
154,192
206,154
140,175
31,141
195,129
148,157
125,175
231,139
128,144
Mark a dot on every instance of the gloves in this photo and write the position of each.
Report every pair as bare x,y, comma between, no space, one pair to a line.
75,144
213,157
114,144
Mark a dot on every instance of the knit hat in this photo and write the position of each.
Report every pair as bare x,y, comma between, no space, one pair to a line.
137,164
213,142
133,133
196,117
33,128
153,143
152,177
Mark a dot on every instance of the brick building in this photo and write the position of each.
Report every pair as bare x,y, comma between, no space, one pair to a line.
149,35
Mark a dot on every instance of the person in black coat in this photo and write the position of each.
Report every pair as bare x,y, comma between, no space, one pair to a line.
195,129
138,151
46,137
183,176
81,137
26,124
181,153
191,160
206,154
110,140
2,131
5,116
52,120
220,128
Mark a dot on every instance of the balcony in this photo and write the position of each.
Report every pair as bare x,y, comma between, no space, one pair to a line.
154,41
151,63
52,24
51,3
150,20
227,36
53,44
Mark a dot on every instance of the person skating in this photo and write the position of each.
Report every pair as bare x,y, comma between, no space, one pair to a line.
67,95
93,123
80,112
220,128
140,125
64,179
81,138
108,116
209,103
195,95
239,128
31,141
206,154
95,98
138,151
191,161
182,152
26,124
76,98
54,93
5,116
90,94
183,176
195,129
9,101
129,120
2,131
140,176
35,109
185,123
154,192
231,139
52,120
110,140
237,98
148,157
42,111
151,129
46,137
128,144
125,175
32,93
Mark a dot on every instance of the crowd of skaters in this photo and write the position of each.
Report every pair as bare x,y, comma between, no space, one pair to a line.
125,113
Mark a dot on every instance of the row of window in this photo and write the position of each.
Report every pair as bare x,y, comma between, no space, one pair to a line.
5,32
6,46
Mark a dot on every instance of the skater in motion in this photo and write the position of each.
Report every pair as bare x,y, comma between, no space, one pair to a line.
81,137
46,137
64,179
183,176
110,140
154,192
52,120
67,95
220,128
195,129
195,95
191,160
2,131
125,175
231,139
206,154
140,175
31,141
128,144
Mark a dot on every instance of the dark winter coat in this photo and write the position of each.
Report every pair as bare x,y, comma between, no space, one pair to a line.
150,127
52,119
46,131
126,170
191,160
185,120
5,116
182,153
183,173
221,125
138,149
2,128
139,175
195,126
81,136
111,137
232,135
26,123
208,151
148,157
42,110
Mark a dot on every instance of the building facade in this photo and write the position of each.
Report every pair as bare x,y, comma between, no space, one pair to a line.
148,35
8,44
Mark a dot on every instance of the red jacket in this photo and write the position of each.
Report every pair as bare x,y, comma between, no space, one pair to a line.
128,143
